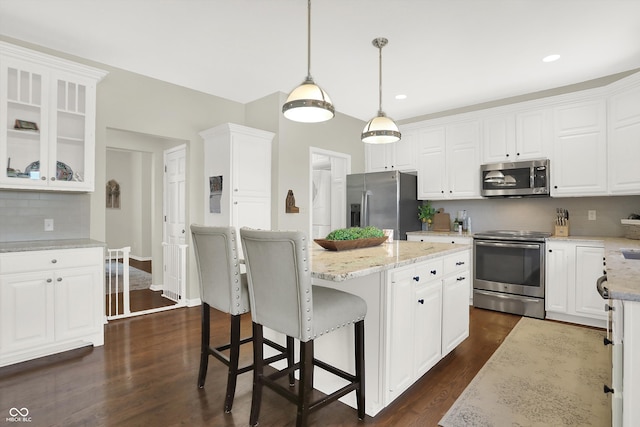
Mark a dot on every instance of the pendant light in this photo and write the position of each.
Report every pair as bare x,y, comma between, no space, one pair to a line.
308,103
381,129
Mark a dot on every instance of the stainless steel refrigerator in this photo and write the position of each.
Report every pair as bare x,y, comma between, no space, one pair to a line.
385,200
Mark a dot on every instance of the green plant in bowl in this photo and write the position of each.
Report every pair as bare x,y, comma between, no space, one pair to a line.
354,233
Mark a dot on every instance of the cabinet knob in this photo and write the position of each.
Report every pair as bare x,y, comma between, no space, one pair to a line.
460,263
607,307
555,186
507,154
459,279
53,261
53,178
49,280
235,189
434,272
607,389
450,191
550,250
607,341
421,301
517,154
442,191
416,278
235,203
59,279
43,178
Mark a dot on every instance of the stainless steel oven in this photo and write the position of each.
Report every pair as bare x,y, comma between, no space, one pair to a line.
509,272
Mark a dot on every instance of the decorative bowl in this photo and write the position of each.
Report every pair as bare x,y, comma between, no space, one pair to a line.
344,245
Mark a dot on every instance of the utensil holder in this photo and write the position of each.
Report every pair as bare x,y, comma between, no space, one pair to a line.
561,230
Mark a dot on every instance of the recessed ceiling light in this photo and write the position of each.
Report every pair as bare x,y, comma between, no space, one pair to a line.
551,58
401,96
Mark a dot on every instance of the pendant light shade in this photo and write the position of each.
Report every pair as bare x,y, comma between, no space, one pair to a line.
308,103
381,129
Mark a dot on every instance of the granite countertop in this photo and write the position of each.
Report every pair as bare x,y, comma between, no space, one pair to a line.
439,233
338,266
44,245
623,275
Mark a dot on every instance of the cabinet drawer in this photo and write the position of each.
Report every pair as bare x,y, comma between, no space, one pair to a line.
429,270
456,262
28,261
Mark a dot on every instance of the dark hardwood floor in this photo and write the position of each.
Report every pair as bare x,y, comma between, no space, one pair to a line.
139,300
146,373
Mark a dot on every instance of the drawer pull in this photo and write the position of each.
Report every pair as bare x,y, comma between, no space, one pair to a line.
434,272
421,301
459,279
460,263
607,389
416,278
53,261
607,341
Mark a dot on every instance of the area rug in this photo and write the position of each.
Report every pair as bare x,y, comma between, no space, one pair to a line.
138,279
544,374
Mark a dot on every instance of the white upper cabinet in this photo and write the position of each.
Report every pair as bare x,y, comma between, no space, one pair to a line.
399,155
624,140
514,136
432,170
47,121
579,166
449,161
237,176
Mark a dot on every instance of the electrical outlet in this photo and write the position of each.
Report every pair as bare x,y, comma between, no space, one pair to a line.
48,225
592,215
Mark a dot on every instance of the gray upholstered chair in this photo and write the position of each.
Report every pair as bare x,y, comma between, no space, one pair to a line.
283,299
224,287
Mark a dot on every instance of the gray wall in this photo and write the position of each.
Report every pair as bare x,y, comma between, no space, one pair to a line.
291,159
538,213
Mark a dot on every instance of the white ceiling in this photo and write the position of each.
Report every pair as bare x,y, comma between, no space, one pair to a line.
442,54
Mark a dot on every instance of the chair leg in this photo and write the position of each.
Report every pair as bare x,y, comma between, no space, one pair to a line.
359,345
291,360
306,382
234,356
258,367
204,345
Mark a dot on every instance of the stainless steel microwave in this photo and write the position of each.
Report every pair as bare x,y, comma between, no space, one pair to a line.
515,179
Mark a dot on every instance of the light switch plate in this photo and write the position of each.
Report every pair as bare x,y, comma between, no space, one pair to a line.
592,215
48,224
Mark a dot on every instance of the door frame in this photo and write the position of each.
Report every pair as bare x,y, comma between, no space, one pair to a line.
332,155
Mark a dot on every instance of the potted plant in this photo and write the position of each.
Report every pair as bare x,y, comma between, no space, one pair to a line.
425,213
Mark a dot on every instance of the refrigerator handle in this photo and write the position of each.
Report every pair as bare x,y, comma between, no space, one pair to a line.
365,207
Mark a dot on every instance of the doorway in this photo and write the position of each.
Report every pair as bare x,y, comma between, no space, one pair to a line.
137,162
328,181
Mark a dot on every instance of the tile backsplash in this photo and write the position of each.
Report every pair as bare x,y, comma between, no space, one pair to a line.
22,215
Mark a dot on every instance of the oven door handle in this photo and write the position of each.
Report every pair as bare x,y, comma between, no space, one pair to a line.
508,245
507,296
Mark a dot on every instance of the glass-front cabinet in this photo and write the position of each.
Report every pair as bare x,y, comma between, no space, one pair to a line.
47,121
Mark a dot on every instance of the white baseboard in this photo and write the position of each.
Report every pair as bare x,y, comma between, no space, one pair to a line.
155,287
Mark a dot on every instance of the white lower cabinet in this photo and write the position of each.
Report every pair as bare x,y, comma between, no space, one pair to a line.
427,317
572,269
455,300
414,323
625,371
50,301
455,239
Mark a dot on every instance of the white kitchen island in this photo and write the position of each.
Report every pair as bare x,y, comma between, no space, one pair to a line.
418,311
